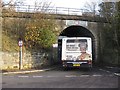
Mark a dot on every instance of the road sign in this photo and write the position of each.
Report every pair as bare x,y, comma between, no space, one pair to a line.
20,43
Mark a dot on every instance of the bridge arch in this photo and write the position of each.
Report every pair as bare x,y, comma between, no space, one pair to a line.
76,31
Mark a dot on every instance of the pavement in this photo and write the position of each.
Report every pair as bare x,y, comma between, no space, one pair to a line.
29,71
115,70
107,69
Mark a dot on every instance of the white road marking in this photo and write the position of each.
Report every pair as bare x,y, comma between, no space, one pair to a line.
111,75
70,76
102,70
11,76
96,75
109,67
118,74
51,76
37,76
23,76
108,71
105,70
84,75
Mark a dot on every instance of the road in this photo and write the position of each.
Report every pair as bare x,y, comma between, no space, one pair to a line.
59,78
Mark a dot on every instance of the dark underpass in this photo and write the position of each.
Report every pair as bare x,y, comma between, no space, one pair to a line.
75,31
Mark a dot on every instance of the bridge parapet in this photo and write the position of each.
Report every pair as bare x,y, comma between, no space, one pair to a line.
49,9
27,11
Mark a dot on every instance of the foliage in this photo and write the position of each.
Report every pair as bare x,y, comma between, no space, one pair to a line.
47,38
110,31
107,10
36,32
8,43
118,29
118,22
40,32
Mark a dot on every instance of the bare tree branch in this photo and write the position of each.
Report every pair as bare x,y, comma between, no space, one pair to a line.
5,4
91,7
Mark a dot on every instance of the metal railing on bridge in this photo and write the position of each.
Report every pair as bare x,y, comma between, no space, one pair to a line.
27,11
49,9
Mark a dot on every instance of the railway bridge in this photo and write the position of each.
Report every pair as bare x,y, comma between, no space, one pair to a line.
77,23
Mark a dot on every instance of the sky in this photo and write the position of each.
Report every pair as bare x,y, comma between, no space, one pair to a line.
71,3
79,4
61,3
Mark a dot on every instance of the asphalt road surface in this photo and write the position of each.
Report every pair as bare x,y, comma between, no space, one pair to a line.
59,78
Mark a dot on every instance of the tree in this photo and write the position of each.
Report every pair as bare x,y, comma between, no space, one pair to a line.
5,4
40,31
90,8
12,30
118,30
37,32
108,10
110,34
118,22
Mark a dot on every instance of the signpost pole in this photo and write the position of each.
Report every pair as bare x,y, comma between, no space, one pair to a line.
20,43
20,58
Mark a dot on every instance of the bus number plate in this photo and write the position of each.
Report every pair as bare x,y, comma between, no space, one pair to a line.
76,64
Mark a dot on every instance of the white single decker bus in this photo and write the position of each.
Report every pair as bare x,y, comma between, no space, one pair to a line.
76,52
